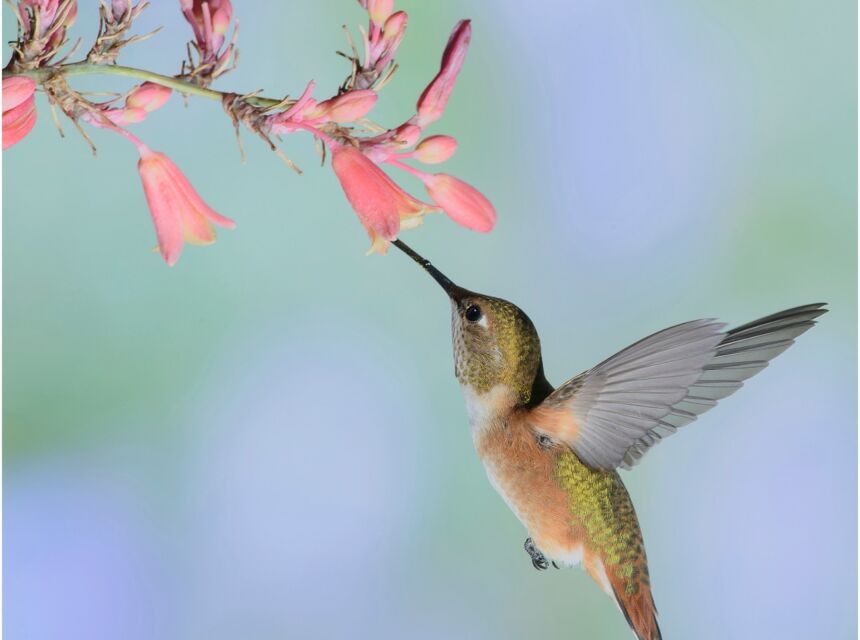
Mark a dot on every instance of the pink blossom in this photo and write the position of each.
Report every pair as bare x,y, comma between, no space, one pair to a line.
178,212
380,204
19,109
432,102
463,203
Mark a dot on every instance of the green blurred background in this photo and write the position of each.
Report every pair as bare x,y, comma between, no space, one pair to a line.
267,439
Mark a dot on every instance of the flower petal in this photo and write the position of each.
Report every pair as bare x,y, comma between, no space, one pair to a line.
16,90
377,200
18,122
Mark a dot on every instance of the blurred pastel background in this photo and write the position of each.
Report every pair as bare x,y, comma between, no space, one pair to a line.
267,440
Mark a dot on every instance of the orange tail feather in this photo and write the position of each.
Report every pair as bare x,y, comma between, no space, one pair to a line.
638,608
632,594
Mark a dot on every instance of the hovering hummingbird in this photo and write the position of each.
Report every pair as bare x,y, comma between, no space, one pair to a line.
553,454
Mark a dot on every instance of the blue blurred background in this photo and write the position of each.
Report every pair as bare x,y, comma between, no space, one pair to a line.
267,440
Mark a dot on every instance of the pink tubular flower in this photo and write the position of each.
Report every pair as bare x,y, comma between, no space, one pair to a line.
178,212
378,201
19,109
432,102
463,203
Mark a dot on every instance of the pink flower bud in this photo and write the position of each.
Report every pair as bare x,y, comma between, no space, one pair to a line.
461,201
379,10
349,107
394,26
392,33
407,134
19,109
148,96
48,13
221,17
378,201
119,8
435,149
178,212
432,102
210,20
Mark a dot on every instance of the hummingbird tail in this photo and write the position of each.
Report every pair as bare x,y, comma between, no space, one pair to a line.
630,587
639,610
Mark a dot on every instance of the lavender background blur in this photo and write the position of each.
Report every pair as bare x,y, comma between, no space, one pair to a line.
267,440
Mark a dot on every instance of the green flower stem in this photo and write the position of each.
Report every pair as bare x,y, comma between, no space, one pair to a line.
177,84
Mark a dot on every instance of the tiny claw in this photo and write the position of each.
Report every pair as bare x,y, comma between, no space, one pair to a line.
539,561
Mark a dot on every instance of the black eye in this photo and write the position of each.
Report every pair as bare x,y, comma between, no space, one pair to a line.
473,313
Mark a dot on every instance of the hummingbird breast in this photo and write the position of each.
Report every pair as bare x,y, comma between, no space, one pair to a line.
572,512
523,473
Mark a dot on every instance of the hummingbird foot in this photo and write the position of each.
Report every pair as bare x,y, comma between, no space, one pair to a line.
539,560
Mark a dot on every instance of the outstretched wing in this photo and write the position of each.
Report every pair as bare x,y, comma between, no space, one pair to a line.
612,414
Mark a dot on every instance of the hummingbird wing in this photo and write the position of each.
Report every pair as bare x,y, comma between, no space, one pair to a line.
613,413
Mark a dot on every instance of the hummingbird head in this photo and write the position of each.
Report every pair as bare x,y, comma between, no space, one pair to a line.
495,342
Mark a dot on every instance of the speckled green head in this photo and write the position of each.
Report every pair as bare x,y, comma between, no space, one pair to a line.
495,342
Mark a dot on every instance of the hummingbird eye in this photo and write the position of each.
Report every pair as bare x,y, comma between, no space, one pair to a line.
473,313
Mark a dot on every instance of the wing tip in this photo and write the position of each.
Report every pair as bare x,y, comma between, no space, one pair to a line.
812,311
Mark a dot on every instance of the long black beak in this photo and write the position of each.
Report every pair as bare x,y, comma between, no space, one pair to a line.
450,288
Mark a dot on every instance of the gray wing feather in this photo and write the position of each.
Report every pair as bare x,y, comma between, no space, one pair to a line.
621,400
629,402
743,352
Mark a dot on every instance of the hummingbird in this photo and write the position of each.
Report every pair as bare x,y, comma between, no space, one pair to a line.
553,454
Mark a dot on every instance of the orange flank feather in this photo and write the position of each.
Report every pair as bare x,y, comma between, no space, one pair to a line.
556,422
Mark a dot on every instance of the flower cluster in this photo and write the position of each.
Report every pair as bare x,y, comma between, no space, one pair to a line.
210,21
115,20
357,146
382,206
384,33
